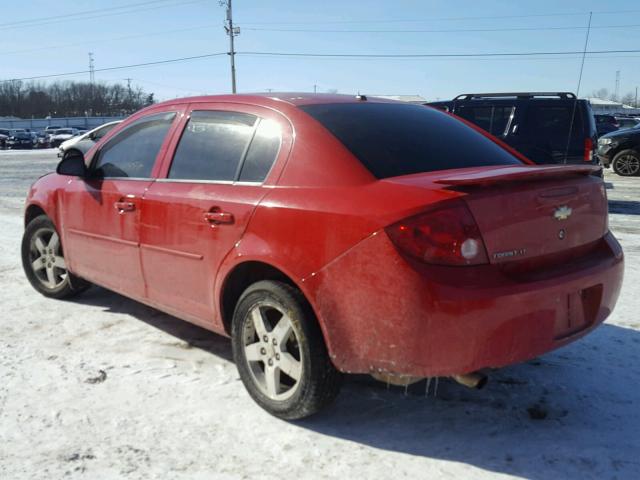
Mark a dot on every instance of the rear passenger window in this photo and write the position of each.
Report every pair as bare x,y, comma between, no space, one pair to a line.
133,151
212,146
262,152
552,121
491,119
480,116
501,117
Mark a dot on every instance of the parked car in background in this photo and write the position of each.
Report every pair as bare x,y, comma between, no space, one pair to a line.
4,134
83,142
606,124
331,233
51,128
538,125
627,122
621,151
62,134
19,140
42,140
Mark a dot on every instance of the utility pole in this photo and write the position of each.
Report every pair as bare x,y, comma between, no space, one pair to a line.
315,88
92,73
232,32
635,104
617,94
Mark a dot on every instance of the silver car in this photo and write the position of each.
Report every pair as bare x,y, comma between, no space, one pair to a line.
84,142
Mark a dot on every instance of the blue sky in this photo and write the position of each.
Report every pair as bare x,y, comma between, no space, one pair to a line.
179,28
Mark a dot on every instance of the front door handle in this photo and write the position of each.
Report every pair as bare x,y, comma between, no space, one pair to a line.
218,217
122,207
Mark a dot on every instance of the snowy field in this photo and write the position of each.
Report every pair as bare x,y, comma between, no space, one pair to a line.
104,387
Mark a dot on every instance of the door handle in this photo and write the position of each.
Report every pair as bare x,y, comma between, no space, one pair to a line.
218,217
124,206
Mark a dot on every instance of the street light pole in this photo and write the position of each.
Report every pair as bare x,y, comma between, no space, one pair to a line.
232,32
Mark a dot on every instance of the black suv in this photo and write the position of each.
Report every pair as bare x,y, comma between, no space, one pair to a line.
621,150
536,124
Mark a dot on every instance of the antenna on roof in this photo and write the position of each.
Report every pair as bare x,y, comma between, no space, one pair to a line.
575,102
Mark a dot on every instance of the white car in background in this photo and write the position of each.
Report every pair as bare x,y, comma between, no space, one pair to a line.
84,142
61,135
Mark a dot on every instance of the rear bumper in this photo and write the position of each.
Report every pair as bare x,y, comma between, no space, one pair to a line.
381,313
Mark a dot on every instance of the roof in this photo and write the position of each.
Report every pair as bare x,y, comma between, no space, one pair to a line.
602,101
272,98
403,98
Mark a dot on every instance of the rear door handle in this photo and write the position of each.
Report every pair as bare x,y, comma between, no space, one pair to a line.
124,206
218,217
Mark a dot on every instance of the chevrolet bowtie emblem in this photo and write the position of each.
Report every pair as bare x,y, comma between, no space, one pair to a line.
562,213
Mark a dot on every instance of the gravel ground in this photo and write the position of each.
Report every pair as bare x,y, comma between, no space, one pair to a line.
104,387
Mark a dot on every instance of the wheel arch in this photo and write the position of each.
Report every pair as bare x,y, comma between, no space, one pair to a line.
250,271
32,211
239,278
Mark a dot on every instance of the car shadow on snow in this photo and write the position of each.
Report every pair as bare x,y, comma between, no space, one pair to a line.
626,207
193,335
572,413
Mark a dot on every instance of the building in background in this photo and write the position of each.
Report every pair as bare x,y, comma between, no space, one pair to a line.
601,106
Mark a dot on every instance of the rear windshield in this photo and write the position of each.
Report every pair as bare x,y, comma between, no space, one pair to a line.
392,139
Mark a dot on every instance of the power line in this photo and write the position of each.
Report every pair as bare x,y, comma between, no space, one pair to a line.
428,55
67,18
342,55
85,12
119,67
451,30
104,40
437,19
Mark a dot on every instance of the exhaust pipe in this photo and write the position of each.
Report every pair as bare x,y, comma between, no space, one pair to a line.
472,380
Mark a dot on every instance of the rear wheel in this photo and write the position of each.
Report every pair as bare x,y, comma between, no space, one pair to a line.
627,163
280,352
43,261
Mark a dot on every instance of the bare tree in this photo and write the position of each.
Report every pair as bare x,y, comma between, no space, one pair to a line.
70,99
602,93
629,98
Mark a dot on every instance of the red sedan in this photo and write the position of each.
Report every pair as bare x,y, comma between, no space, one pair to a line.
328,234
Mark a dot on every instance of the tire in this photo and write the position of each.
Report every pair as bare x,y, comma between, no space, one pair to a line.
276,336
626,163
43,261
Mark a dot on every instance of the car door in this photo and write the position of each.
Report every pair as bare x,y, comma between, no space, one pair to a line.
195,215
101,214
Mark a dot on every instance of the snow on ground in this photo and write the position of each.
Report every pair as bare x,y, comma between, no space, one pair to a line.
103,387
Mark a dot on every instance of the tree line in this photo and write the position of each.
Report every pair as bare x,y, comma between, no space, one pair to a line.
70,99
627,99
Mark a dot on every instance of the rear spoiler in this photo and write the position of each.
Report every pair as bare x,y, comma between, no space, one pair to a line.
520,173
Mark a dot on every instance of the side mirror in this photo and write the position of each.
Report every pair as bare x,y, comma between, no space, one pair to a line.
72,164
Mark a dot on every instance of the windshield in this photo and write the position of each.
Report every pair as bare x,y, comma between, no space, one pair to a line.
393,139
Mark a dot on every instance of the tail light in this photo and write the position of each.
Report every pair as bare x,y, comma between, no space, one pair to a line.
588,150
447,235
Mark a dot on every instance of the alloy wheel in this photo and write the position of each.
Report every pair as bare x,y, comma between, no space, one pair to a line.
272,351
47,260
628,164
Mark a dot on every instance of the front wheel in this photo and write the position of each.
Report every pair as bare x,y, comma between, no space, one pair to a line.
627,163
43,261
280,352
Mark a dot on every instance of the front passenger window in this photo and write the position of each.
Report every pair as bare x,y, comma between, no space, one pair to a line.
133,151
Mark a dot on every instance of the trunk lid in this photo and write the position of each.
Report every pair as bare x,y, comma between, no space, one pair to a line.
532,211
